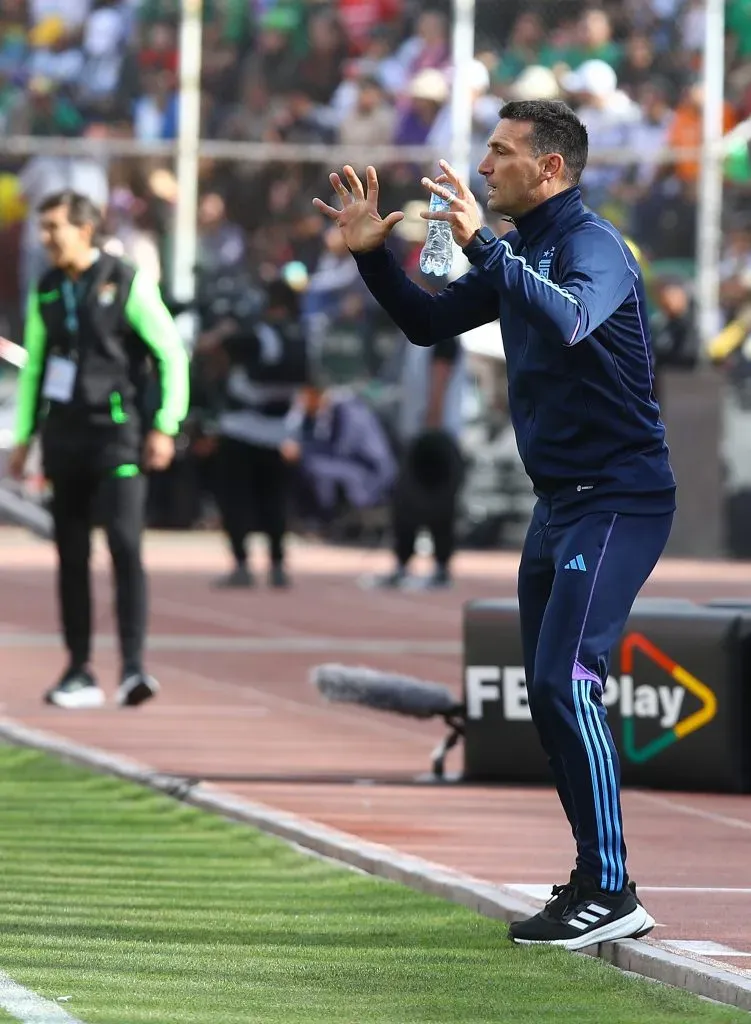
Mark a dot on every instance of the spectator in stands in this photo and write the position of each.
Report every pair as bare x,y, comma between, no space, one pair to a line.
593,41
361,18
526,46
155,110
373,119
675,335
319,72
221,244
427,93
428,48
275,55
610,117
301,120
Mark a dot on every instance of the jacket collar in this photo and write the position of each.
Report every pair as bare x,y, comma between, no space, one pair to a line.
534,225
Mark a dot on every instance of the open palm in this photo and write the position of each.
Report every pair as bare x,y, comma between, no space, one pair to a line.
361,224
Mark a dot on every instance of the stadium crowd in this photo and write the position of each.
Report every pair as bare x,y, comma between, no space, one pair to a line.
358,73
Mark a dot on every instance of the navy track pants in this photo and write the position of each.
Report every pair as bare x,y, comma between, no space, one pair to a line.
577,584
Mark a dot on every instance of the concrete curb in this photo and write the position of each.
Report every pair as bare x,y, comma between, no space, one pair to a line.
642,958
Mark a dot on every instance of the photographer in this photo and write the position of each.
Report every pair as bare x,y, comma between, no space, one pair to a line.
95,328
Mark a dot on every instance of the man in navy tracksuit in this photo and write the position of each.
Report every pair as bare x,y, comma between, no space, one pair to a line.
574,324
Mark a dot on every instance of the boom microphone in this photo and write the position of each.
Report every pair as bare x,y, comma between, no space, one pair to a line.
384,691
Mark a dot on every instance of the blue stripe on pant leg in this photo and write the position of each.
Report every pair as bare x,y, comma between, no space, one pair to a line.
602,754
577,686
620,869
610,859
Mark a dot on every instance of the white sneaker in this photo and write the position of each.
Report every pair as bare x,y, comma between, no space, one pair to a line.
136,689
76,690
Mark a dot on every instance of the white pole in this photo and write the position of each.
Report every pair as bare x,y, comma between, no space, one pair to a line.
463,52
189,128
709,213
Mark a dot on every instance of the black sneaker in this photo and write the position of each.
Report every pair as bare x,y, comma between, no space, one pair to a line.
391,581
240,577
648,927
278,577
136,689
580,915
76,690
440,579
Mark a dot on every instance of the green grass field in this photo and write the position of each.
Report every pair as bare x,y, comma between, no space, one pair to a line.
141,909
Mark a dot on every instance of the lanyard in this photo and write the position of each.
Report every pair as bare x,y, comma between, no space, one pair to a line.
71,307
73,291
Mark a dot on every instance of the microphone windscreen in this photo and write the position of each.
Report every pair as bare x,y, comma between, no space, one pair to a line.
383,691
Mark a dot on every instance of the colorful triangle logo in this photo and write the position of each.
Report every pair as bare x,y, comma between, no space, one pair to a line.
637,642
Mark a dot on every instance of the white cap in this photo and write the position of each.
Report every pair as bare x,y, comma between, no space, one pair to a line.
429,84
479,76
535,83
594,77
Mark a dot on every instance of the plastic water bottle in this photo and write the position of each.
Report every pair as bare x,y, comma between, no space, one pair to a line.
437,253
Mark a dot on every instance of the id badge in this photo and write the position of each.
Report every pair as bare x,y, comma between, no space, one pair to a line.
59,379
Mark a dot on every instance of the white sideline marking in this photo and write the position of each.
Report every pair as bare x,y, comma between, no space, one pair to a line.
293,644
701,947
29,1008
542,892
696,812
694,890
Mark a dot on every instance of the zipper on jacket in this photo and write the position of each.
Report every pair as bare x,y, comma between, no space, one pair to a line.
116,408
544,531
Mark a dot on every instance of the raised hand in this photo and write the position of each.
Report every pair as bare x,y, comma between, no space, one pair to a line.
464,215
361,224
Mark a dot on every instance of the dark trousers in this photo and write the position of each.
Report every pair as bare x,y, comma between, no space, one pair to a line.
252,483
408,519
426,494
577,584
118,502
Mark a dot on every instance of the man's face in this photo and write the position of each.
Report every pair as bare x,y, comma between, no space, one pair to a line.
211,210
511,170
64,242
369,98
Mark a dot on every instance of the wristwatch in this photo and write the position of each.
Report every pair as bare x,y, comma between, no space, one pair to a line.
483,236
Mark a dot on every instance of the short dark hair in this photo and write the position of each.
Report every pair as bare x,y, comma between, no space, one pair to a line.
81,210
555,129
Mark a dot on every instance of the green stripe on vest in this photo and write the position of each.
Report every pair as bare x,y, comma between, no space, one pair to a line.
116,408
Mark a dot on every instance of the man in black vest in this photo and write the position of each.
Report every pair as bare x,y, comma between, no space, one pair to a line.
95,327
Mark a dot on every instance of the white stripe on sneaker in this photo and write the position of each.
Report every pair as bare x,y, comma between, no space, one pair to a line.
595,908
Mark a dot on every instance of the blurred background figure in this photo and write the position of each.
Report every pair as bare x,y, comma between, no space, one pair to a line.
675,338
341,455
433,383
264,362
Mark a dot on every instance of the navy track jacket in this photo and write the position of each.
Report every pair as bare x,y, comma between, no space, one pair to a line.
573,314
